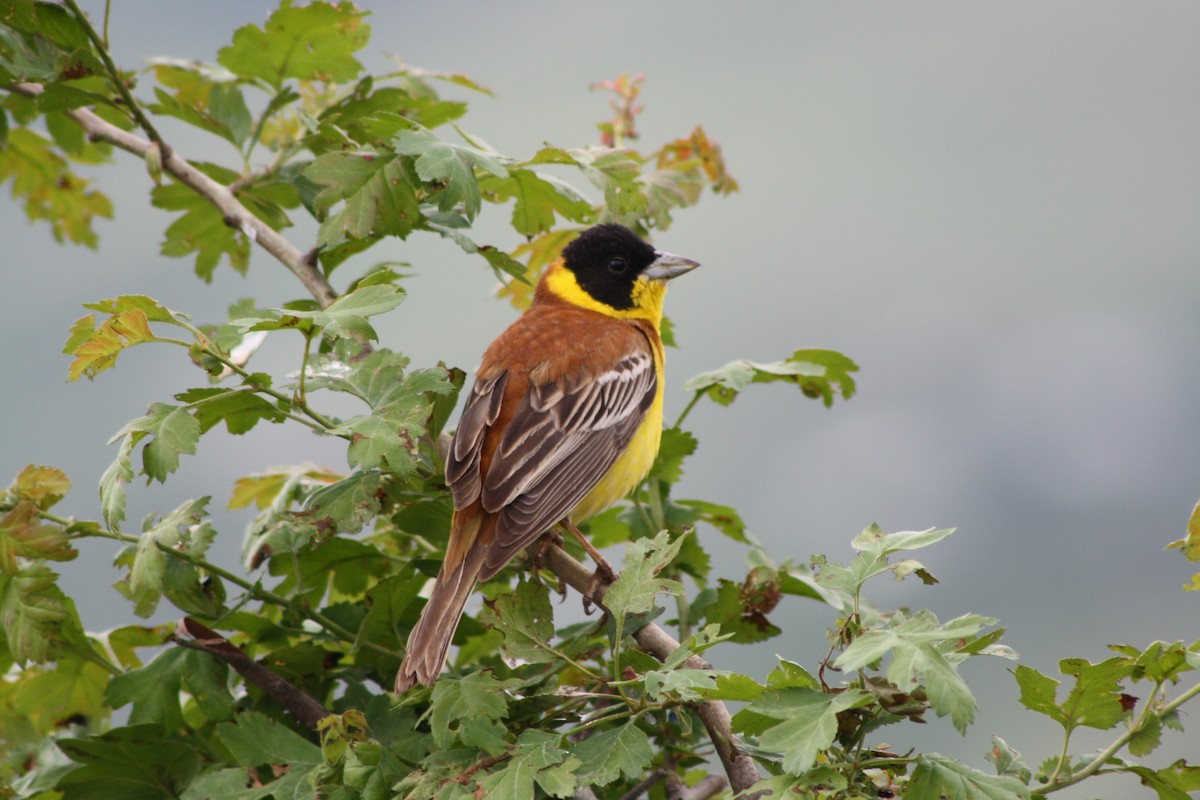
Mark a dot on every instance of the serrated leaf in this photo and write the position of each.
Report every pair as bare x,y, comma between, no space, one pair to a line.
201,230
174,431
538,757
501,263
23,535
379,199
48,190
1177,781
818,373
315,42
263,489
526,620
33,612
138,762
477,695
874,541
154,689
537,199
608,755
808,722
42,485
254,740
347,316
448,168
345,506
112,485
936,777
239,409
634,591
96,348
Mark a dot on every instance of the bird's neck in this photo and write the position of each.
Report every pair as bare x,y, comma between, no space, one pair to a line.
559,284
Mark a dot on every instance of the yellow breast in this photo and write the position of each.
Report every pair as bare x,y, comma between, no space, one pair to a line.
633,464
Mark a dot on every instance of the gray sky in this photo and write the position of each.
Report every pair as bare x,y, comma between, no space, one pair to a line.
994,208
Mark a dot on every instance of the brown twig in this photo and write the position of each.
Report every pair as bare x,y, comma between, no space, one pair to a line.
232,211
301,705
738,766
706,787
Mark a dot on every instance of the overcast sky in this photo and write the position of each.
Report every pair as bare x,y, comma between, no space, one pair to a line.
994,208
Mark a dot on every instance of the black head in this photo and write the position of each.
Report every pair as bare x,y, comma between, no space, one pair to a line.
607,261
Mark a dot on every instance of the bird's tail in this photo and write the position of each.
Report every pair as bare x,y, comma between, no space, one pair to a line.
431,636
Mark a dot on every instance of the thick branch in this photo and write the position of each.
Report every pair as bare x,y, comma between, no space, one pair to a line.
234,213
738,766
301,705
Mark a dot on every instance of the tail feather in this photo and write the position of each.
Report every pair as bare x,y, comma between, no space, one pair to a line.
431,636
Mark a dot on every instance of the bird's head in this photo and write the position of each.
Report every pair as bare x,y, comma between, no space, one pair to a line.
609,269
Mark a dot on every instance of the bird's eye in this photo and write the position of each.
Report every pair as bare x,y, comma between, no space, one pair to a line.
617,265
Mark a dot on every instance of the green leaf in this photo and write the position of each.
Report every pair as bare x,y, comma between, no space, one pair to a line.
606,756
526,620
1095,699
538,198
1008,761
347,316
818,373
724,518
154,689
936,777
538,757
135,762
808,722
174,432
500,262
315,42
634,591
254,740
675,447
379,197
1178,781
345,506
201,230
916,660
33,613
239,409
741,610
478,695
874,541
48,190
450,168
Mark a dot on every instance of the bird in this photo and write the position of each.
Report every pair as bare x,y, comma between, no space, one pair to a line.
564,419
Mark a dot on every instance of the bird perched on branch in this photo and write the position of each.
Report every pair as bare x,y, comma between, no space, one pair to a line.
564,419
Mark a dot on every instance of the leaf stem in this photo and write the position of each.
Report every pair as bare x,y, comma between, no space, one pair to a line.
688,408
1095,765
135,108
255,590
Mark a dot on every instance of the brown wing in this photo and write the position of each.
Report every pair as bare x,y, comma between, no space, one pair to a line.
560,442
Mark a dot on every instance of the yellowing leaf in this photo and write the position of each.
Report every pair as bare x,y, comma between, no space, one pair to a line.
45,486
100,349
263,489
23,535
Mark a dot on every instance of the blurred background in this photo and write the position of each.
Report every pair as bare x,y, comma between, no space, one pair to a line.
993,208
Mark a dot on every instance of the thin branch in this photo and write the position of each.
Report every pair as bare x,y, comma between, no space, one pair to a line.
114,74
301,705
643,786
716,718
1094,767
235,214
706,787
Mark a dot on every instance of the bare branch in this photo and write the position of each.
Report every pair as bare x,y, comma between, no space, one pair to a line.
234,213
716,718
644,785
300,704
706,787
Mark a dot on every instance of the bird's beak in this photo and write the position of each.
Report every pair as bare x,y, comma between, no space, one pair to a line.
666,266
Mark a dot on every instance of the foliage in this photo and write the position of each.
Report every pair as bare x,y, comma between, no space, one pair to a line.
273,684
